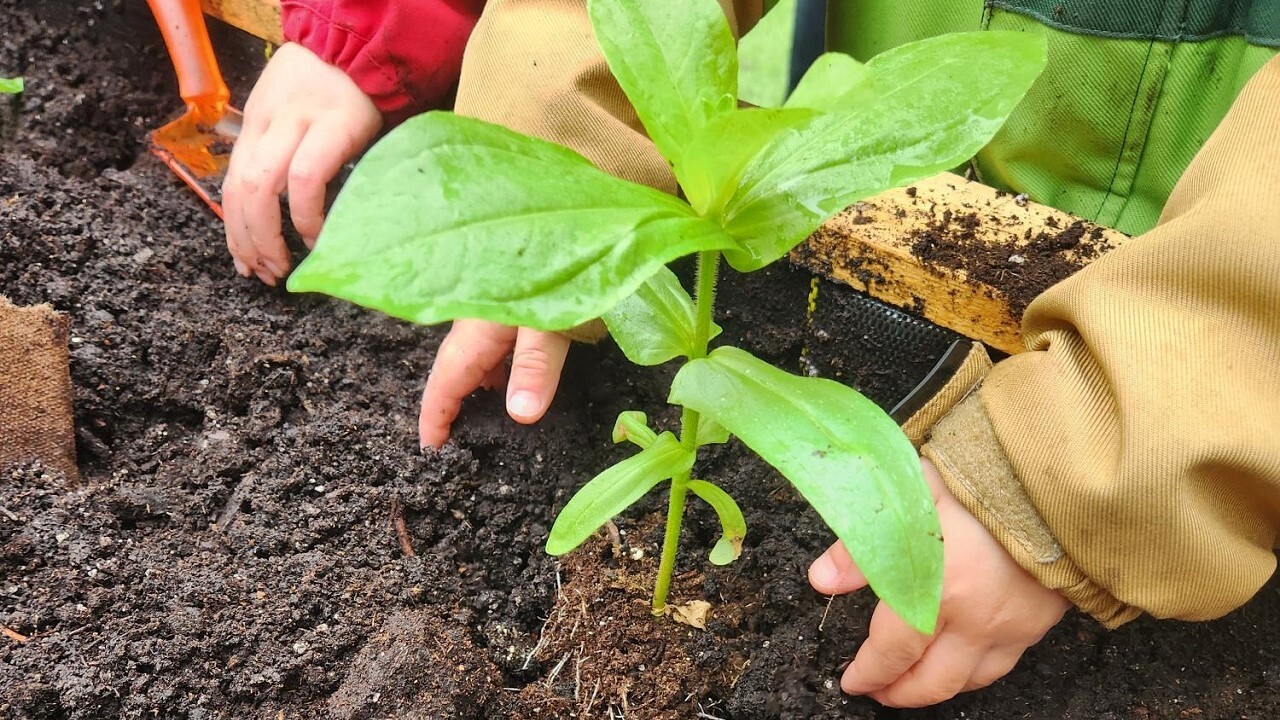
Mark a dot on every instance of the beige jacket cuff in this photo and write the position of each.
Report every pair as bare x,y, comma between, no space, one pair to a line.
1129,460
968,455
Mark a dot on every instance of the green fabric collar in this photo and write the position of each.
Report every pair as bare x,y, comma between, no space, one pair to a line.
1257,21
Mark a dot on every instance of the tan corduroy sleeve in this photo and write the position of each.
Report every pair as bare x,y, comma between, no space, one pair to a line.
534,66
1144,425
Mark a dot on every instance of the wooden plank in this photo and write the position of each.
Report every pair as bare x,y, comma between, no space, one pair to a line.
256,17
957,252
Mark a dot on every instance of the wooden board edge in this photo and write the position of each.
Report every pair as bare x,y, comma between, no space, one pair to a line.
256,17
1004,251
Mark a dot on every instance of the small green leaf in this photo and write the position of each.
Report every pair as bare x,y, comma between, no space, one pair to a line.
633,426
832,82
655,324
713,164
675,60
938,102
11,86
614,490
711,432
451,217
845,456
733,526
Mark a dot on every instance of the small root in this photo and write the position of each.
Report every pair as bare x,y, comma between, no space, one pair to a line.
402,531
13,635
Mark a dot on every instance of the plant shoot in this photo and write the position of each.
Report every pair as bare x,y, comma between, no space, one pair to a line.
448,217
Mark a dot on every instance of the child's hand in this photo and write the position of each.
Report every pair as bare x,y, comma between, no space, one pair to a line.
992,610
473,355
303,120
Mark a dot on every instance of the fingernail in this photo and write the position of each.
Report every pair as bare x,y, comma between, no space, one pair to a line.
523,403
265,277
272,267
241,269
824,571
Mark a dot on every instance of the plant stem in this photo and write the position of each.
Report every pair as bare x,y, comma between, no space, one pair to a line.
705,297
705,301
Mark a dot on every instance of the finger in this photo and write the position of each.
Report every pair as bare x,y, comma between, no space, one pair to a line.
233,205
262,183
941,673
535,373
835,573
471,350
933,478
891,648
994,665
319,157
496,379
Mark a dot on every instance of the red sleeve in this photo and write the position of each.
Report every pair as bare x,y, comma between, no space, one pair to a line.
404,54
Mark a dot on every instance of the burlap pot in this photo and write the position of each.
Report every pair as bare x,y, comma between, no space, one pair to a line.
36,421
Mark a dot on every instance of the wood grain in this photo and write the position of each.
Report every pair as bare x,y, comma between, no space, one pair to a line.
256,17
874,247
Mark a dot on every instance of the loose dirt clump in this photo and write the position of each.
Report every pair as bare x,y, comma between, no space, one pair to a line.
952,241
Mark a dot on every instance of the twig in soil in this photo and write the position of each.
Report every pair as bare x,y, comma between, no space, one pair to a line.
556,670
232,506
542,640
577,675
13,634
615,539
736,678
704,715
9,514
824,612
595,691
402,532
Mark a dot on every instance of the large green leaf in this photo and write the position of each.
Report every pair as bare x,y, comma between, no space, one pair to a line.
614,490
676,61
451,217
733,526
832,82
655,323
845,456
937,102
713,164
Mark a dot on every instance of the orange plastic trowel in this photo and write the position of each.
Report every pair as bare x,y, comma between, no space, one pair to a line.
197,145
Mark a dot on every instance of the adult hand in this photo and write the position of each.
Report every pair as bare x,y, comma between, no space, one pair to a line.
303,120
992,610
473,355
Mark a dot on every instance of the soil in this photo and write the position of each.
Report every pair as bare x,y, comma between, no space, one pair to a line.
239,545
952,241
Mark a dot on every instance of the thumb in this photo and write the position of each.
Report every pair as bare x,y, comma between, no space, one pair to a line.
834,573
536,363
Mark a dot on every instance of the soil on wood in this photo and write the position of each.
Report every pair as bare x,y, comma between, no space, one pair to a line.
251,488
952,241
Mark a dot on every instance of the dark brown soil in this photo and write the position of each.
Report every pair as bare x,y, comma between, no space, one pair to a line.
231,552
952,241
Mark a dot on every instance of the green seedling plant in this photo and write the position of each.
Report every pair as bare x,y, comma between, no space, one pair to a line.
449,217
11,86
